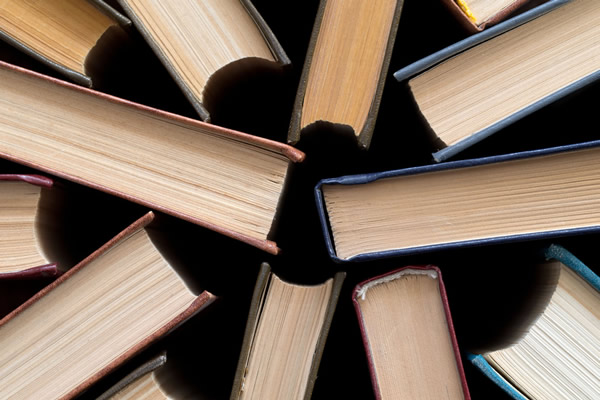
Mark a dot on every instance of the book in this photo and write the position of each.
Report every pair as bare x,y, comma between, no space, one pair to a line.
224,180
106,309
520,196
74,37
142,381
345,68
156,378
474,88
556,355
476,15
27,227
207,44
408,335
284,338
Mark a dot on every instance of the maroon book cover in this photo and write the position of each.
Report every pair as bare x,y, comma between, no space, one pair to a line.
359,291
471,26
201,301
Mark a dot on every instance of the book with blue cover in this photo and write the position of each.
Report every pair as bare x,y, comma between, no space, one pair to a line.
520,196
557,356
478,86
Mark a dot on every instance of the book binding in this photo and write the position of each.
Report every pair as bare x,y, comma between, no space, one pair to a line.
552,252
370,177
406,73
253,315
356,293
364,137
201,301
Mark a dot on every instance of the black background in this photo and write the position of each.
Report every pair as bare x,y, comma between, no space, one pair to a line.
486,285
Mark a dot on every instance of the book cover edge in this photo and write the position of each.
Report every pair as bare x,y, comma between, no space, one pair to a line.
447,312
370,177
149,366
470,25
275,47
485,368
338,282
430,61
363,138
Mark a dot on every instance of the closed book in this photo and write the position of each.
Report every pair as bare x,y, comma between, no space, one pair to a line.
106,309
224,180
207,44
478,86
408,335
284,338
476,16
27,226
345,69
514,197
556,355
74,37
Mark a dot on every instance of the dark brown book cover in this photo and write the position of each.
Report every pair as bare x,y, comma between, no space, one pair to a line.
109,39
364,136
471,26
201,301
272,42
357,292
262,282
104,103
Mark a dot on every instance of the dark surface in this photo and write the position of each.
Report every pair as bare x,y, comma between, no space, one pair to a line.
479,281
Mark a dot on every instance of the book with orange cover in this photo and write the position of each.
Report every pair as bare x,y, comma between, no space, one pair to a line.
224,180
109,307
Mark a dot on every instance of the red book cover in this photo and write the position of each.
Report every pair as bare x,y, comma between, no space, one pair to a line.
399,335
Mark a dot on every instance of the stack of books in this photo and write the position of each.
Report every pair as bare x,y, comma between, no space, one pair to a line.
238,199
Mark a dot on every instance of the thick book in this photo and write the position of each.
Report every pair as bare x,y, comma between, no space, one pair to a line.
408,335
74,37
477,15
109,307
513,197
224,180
476,87
345,69
284,338
205,45
557,355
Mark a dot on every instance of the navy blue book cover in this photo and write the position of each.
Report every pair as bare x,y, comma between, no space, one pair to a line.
418,67
362,179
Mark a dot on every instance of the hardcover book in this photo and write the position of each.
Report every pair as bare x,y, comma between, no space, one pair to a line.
474,88
514,197
140,382
156,379
345,68
556,356
224,180
206,44
476,15
74,37
109,307
285,336
409,337
27,226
